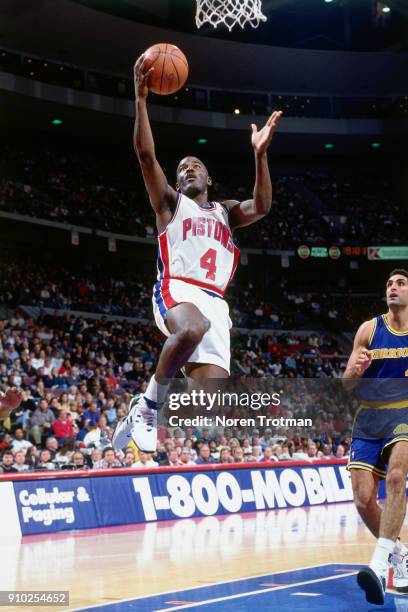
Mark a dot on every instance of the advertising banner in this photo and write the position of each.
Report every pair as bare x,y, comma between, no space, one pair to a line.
122,498
375,253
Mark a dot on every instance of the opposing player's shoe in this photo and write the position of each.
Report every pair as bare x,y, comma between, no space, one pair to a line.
140,423
373,585
400,566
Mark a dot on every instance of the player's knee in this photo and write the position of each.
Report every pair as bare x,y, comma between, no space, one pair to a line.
396,479
192,334
362,499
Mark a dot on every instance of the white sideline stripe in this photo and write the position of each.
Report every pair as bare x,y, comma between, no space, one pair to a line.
202,586
308,594
259,592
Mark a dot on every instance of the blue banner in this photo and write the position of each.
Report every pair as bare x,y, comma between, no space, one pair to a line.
120,499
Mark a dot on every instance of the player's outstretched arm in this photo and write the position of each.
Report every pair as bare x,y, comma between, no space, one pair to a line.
162,196
249,211
360,358
9,401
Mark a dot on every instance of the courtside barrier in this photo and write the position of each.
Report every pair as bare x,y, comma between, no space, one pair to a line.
54,501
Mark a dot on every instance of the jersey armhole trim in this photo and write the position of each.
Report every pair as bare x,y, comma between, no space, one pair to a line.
173,216
374,327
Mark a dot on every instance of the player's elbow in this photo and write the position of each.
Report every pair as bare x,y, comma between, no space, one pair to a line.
263,206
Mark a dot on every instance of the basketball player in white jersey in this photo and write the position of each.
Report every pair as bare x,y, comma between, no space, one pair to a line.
196,261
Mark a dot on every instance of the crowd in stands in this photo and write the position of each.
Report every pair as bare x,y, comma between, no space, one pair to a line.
309,208
78,375
23,281
20,455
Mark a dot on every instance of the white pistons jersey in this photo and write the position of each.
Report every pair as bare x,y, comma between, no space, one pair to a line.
197,246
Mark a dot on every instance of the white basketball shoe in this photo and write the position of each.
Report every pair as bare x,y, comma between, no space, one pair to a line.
140,424
400,567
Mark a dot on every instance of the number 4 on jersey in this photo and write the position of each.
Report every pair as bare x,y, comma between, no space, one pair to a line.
207,262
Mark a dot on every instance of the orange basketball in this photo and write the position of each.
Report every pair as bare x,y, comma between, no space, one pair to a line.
170,68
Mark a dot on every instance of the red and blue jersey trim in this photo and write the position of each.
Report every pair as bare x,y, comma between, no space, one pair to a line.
162,297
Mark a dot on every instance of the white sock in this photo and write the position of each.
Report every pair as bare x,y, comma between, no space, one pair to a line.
400,549
156,392
380,559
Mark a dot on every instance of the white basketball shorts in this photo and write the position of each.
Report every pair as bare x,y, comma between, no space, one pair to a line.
215,345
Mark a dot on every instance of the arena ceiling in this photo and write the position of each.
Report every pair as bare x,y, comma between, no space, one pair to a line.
77,32
354,25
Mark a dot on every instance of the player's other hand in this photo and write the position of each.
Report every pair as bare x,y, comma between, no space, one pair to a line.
363,361
261,139
9,401
141,75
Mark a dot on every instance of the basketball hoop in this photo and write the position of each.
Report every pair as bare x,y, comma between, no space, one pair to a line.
229,12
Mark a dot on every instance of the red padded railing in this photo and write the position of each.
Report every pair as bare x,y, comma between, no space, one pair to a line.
91,473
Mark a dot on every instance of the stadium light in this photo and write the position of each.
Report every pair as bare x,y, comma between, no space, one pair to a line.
56,121
236,111
386,9
202,141
375,145
329,145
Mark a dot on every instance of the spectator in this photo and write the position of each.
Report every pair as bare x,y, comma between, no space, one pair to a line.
185,457
19,462
246,447
277,451
90,418
41,421
78,461
129,458
266,439
6,466
340,451
172,459
96,459
268,456
204,456
66,452
145,461
312,451
51,444
225,455
63,427
238,455
44,461
109,460
19,442
100,436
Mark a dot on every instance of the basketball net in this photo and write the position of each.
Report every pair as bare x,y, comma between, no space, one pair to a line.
229,12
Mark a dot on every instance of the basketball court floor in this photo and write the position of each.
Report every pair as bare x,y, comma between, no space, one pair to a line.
300,558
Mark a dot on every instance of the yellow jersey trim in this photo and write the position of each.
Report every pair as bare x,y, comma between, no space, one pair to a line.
359,465
380,405
374,327
391,329
395,440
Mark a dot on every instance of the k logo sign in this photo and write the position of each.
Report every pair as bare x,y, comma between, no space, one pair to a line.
374,253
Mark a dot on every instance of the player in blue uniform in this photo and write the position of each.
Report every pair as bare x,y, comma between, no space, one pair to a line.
378,369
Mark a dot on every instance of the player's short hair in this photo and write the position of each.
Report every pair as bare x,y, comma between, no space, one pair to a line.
400,271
